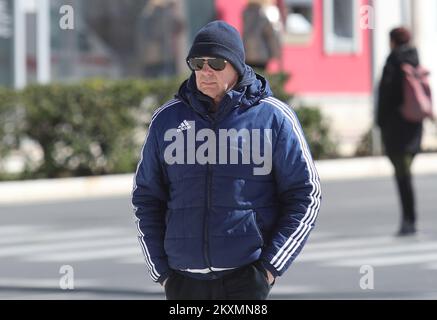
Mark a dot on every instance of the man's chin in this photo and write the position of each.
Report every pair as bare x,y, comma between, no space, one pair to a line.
208,93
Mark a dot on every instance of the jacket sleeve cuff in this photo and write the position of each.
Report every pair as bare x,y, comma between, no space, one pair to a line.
271,268
165,276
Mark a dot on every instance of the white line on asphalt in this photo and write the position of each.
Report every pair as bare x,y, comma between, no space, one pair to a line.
320,235
7,230
33,236
88,255
366,251
133,260
83,246
284,289
42,283
350,242
384,261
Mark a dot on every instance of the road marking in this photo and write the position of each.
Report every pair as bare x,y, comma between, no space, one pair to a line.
133,260
49,244
43,283
385,261
88,255
349,242
318,235
84,246
365,251
44,235
5,231
284,289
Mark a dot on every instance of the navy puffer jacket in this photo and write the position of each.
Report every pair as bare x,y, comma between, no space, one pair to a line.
214,193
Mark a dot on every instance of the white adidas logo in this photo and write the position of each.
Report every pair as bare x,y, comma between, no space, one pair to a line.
183,126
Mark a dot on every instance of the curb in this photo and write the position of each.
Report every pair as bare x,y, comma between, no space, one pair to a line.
21,192
371,167
49,190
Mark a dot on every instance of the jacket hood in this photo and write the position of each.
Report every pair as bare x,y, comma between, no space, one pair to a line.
405,54
250,89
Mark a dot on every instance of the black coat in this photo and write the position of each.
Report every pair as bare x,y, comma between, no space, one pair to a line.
398,135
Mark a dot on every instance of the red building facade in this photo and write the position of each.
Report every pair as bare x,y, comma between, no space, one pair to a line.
333,54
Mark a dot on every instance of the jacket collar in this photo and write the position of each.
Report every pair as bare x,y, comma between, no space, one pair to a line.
248,91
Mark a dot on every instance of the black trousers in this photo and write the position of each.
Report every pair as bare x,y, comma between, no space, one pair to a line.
402,165
247,283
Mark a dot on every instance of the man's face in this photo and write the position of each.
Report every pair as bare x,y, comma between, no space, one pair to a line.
214,83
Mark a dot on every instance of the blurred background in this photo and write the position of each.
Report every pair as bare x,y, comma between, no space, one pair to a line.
331,58
80,79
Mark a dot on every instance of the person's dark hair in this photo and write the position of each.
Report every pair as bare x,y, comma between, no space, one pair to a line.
400,36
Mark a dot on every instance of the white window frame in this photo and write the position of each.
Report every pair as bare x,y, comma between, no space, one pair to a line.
298,38
334,44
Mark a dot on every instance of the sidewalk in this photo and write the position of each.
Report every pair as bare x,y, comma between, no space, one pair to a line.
121,185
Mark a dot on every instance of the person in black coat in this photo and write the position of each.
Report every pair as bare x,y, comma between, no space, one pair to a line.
401,138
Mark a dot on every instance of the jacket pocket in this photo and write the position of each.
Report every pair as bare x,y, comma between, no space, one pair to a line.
235,238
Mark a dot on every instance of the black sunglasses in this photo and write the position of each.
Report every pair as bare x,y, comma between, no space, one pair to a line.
217,64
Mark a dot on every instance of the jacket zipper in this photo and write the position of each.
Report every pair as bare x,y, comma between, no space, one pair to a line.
257,228
208,208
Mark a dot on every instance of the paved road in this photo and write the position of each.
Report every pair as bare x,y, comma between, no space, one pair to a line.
97,239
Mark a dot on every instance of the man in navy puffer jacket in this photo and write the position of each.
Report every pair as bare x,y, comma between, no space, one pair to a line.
226,191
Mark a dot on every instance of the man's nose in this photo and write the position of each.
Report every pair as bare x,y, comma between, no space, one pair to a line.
206,68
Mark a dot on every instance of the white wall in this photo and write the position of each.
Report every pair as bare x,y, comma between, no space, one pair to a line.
388,15
425,17
425,33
